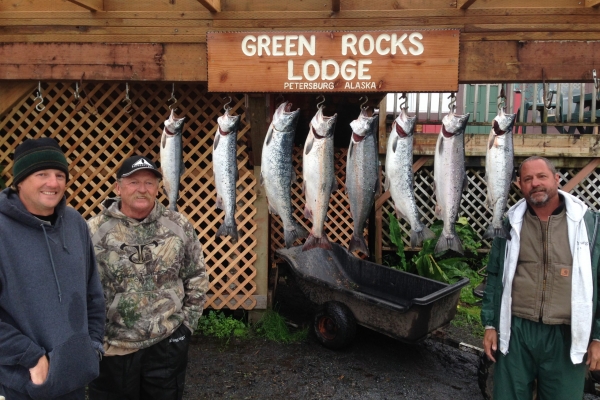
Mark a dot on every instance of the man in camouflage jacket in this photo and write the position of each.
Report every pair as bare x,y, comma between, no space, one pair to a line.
152,270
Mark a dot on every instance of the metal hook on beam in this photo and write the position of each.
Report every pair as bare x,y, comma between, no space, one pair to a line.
227,107
502,98
127,100
403,101
596,84
172,98
40,106
362,105
320,104
452,105
279,99
547,93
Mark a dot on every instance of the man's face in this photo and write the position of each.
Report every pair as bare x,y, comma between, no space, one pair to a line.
138,192
41,191
538,184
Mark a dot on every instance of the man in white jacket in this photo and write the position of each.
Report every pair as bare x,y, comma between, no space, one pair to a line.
541,295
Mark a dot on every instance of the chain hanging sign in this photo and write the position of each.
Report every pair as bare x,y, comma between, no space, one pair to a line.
378,61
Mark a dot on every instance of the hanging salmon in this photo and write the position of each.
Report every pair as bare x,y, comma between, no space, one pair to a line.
361,176
399,177
225,171
171,157
499,168
277,170
319,177
450,178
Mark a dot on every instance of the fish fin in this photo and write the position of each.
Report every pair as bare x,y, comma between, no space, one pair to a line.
335,186
216,143
228,229
394,143
358,243
465,182
309,143
417,238
350,147
514,176
438,211
163,140
492,232
269,135
166,187
399,213
219,202
294,176
181,168
449,243
271,209
491,141
386,182
313,242
304,187
440,147
308,213
261,179
237,173
291,235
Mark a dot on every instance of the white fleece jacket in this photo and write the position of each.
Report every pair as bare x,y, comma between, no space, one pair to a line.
582,292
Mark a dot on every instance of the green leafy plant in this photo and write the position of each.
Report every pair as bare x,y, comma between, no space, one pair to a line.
272,326
217,324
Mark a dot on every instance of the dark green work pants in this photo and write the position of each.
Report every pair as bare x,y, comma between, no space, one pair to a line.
538,351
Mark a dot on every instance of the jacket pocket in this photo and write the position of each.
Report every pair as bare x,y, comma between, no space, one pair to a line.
135,316
73,364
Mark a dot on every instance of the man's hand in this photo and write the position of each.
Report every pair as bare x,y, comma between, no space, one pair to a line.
39,373
593,356
490,343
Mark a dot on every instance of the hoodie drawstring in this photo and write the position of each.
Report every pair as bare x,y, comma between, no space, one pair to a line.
52,262
62,230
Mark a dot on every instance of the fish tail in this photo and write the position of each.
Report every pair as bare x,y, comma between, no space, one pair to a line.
451,242
360,244
229,228
492,232
417,238
314,242
290,235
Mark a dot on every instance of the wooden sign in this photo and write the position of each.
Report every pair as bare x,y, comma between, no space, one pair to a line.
379,61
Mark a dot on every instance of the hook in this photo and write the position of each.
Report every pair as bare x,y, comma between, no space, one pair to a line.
279,99
127,100
40,106
76,96
320,104
596,84
227,107
404,101
547,94
452,105
502,97
172,98
362,105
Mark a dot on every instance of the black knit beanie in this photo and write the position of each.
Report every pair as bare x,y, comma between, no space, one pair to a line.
36,154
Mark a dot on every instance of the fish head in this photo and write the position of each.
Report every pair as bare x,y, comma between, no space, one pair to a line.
453,125
228,123
503,123
323,126
284,119
174,125
404,125
362,126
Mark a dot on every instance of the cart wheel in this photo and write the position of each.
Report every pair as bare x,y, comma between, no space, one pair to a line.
334,325
485,377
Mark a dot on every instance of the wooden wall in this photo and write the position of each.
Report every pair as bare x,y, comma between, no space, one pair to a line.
500,39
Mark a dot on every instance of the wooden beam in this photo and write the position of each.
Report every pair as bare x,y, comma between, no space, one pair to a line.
104,61
581,175
12,92
213,6
92,5
464,4
336,5
592,3
511,61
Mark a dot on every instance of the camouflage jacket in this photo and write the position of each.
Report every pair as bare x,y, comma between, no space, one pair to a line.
152,272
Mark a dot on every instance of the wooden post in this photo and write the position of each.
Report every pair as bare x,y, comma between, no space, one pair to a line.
257,112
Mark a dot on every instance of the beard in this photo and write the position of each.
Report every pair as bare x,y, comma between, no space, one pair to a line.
540,201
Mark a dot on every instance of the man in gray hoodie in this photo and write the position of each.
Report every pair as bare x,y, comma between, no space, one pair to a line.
51,299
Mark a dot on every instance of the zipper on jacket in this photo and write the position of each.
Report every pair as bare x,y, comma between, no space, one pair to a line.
545,263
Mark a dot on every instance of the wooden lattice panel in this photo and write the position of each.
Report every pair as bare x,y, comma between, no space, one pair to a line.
98,133
338,226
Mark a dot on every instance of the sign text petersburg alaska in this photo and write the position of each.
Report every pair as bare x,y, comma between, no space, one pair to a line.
338,61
